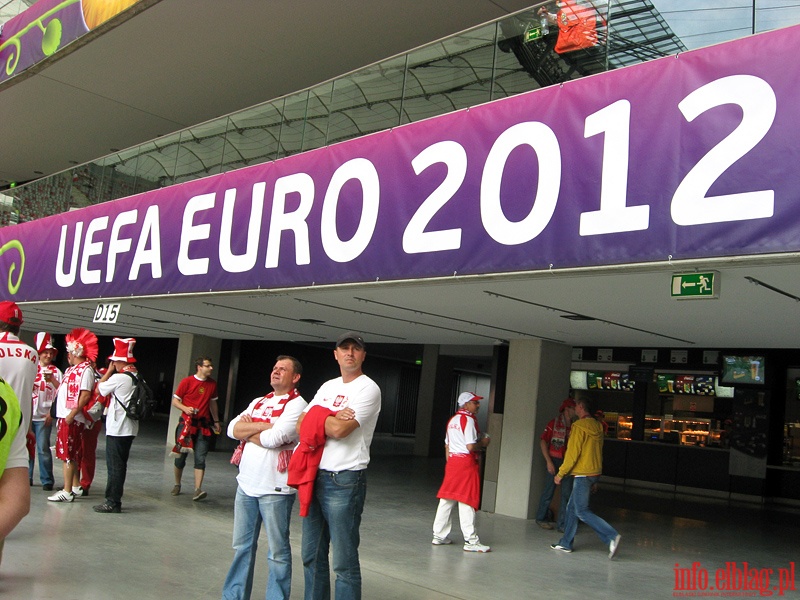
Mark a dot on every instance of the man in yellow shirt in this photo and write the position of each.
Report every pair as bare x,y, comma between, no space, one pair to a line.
584,460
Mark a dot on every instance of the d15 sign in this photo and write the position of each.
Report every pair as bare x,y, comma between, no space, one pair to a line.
106,313
695,285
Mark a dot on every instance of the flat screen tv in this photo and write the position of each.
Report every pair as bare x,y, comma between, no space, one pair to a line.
741,370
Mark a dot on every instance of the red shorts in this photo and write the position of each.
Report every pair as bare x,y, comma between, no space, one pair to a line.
69,441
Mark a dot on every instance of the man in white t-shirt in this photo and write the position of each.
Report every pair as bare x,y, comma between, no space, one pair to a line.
118,382
15,494
340,487
18,365
462,480
267,433
18,361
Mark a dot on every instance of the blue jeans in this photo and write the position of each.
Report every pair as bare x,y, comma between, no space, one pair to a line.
548,492
275,511
201,443
42,433
578,508
118,449
334,518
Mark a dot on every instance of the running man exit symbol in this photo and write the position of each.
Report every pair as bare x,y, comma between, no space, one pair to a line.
695,285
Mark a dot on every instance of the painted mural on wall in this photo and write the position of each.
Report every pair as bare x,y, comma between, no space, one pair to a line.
47,27
685,157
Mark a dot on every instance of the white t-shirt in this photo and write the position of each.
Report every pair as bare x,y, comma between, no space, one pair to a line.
258,469
362,395
118,386
87,382
461,431
19,364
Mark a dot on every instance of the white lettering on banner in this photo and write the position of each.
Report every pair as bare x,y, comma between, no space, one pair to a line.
280,220
415,238
92,248
191,233
295,195
690,205
614,215
151,232
239,263
117,245
544,142
337,249
66,279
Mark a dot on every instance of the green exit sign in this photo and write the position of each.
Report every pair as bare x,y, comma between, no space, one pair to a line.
695,285
534,33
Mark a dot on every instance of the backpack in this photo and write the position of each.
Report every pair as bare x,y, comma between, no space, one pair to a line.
142,403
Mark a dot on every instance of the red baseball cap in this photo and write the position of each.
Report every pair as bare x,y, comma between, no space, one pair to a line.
10,313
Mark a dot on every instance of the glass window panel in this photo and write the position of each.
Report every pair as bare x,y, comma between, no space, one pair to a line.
705,22
367,101
41,198
316,128
253,135
294,119
87,180
9,215
201,150
773,14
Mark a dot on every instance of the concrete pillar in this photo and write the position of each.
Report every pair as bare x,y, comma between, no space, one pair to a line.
536,383
190,346
426,400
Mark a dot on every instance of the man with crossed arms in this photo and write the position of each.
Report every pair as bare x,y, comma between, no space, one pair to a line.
267,435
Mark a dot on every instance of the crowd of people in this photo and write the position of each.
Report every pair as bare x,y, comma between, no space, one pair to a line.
321,459
289,448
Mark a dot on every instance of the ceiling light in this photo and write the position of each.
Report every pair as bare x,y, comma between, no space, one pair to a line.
578,318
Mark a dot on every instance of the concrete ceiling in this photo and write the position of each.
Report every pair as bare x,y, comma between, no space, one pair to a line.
180,62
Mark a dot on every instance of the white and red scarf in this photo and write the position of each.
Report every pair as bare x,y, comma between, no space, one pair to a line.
270,415
72,379
558,441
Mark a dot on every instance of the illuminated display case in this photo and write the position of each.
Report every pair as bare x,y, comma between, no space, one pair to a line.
691,431
686,431
624,427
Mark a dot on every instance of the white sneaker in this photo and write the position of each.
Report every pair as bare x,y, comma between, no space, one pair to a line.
437,541
77,490
61,496
476,547
613,545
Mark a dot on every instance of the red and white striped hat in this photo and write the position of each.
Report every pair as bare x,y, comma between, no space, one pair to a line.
44,342
123,350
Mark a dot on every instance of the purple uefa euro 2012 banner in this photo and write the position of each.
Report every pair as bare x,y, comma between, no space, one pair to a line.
47,26
684,157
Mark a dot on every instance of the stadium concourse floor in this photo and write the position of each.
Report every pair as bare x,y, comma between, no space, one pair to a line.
170,548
